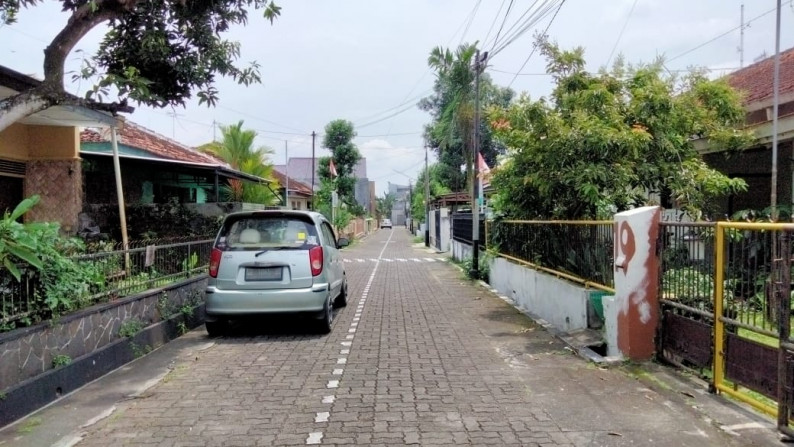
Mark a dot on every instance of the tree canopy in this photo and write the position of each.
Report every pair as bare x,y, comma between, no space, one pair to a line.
603,141
338,139
451,107
237,149
156,52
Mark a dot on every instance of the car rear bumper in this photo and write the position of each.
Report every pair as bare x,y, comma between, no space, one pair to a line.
249,302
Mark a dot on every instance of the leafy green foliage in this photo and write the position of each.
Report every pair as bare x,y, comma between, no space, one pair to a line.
385,205
237,149
130,327
61,360
437,189
338,139
451,107
157,52
603,141
37,251
17,241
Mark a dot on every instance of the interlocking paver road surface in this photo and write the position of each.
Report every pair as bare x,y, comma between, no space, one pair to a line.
419,356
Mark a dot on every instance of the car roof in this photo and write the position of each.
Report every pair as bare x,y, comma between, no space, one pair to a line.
276,213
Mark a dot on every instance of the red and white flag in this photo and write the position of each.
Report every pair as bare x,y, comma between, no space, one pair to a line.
485,171
332,168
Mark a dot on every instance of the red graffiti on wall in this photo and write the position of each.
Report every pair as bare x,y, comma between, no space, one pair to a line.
627,246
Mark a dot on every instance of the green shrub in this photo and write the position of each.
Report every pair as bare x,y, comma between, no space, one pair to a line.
130,327
61,360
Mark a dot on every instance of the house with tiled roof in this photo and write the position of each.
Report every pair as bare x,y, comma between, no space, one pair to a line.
39,155
298,195
156,169
754,164
300,168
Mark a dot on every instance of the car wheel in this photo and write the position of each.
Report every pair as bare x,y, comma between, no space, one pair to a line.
341,300
327,318
215,328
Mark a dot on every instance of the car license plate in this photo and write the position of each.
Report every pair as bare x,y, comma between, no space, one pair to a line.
263,273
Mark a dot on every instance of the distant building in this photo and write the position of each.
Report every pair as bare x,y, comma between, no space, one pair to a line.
400,211
300,169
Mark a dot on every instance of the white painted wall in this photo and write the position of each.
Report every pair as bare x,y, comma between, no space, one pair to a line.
446,229
560,302
461,251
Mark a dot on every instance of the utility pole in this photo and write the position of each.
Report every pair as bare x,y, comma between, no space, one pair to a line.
741,40
314,135
286,175
475,198
427,201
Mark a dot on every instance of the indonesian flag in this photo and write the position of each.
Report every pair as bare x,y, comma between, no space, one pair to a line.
485,171
332,168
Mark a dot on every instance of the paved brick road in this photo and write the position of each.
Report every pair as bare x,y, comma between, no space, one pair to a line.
419,356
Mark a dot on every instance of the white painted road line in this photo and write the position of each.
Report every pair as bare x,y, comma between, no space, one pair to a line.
322,416
329,399
314,438
333,384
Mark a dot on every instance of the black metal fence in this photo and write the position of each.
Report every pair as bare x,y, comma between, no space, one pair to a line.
462,228
581,249
98,276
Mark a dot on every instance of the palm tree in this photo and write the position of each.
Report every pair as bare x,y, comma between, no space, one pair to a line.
453,125
237,149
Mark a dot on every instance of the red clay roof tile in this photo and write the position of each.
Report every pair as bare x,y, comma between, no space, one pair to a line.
755,81
146,140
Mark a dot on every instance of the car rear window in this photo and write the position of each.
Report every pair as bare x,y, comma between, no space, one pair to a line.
262,232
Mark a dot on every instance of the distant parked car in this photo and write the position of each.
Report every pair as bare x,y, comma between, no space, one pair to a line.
385,223
267,262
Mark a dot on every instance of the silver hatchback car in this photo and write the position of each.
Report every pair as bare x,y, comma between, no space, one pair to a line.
266,262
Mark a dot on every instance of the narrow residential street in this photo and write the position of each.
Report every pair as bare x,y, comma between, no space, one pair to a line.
419,356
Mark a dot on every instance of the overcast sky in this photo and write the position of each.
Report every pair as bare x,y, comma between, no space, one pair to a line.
365,60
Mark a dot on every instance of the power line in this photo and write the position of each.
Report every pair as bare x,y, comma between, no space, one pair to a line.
419,96
539,14
493,23
535,47
725,33
471,20
620,35
501,27
406,100
259,119
399,112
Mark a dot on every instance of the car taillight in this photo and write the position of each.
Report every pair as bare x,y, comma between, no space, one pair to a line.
215,262
316,260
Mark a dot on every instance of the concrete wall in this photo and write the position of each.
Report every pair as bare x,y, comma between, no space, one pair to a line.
14,142
461,251
446,230
561,303
28,352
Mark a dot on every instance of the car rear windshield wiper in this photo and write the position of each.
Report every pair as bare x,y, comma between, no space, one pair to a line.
280,247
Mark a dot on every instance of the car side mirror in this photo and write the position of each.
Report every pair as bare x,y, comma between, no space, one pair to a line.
342,242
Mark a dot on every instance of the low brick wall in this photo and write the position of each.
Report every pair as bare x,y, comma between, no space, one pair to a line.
28,353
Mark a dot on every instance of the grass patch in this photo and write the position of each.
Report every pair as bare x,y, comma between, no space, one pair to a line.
419,240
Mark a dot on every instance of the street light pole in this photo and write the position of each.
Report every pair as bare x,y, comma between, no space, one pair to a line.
427,201
475,196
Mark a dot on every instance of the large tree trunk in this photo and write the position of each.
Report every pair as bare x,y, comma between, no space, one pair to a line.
14,108
51,92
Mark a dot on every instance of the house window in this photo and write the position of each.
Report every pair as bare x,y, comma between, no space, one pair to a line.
296,205
12,193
